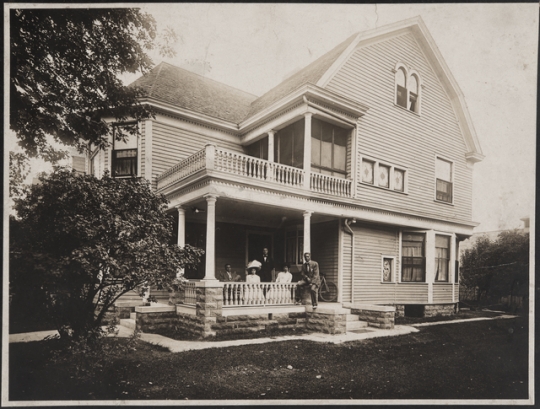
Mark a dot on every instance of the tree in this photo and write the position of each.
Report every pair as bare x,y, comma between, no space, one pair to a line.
18,171
494,268
64,74
87,241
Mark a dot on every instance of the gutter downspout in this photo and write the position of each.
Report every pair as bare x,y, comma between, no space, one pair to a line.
347,229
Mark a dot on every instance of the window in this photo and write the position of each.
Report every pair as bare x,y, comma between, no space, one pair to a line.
96,163
383,175
328,148
388,269
124,156
444,178
442,257
259,149
413,260
289,145
407,88
294,246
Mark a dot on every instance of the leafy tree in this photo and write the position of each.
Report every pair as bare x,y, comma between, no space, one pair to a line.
496,267
19,169
86,241
64,79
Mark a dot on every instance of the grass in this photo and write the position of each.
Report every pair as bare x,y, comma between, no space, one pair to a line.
461,315
474,360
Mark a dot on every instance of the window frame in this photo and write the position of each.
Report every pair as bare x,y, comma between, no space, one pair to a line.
451,182
391,174
408,73
299,234
318,168
448,260
424,258
392,269
114,160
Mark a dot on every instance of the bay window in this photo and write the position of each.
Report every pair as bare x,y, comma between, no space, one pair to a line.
442,257
413,260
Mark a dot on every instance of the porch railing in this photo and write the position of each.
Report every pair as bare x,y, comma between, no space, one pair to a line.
190,293
331,185
258,294
256,169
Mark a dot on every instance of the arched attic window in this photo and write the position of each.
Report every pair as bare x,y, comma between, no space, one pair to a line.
401,87
407,88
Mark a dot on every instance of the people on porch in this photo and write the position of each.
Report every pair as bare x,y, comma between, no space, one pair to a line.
228,274
283,277
267,267
252,269
310,279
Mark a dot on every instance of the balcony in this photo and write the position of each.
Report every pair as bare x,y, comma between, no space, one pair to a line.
252,170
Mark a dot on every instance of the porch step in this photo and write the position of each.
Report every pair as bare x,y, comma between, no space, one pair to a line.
128,323
354,325
133,316
352,317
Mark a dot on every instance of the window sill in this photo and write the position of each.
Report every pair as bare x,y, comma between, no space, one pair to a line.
442,202
384,188
407,110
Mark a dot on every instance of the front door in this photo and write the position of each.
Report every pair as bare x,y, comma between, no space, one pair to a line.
256,242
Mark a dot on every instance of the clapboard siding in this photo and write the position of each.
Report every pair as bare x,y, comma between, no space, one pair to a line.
442,293
142,150
370,244
346,267
324,248
171,144
392,134
411,293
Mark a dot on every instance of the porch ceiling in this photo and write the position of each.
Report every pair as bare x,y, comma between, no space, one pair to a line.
254,214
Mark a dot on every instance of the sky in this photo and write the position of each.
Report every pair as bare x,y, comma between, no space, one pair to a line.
491,49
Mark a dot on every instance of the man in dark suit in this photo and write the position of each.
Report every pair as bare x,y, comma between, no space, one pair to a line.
310,279
268,267
228,274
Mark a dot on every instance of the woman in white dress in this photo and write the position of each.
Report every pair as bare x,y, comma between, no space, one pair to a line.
253,294
280,294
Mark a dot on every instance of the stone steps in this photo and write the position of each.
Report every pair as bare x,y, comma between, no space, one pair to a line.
128,323
354,325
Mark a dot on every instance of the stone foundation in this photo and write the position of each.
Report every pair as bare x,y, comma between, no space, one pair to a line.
400,310
150,319
376,315
328,321
444,310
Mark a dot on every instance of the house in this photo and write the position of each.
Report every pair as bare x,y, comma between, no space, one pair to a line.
363,158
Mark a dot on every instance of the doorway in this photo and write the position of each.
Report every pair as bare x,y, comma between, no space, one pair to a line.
256,242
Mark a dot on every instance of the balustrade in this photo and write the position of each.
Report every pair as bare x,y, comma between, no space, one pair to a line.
190,293
217,159
261,294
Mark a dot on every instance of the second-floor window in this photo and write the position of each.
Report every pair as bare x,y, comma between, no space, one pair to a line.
444,180
289,145
407,88
328,148
124,156
413,260
377,173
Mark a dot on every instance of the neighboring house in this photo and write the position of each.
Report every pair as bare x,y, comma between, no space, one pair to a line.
364,158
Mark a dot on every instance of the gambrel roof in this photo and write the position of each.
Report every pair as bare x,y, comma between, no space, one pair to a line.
190,91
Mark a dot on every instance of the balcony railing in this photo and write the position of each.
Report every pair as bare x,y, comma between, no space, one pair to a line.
216,159
258,294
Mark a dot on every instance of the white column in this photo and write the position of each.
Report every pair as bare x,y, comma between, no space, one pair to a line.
181,241
307,232
271,145
210,237
452,266
147,150
307,149
430,263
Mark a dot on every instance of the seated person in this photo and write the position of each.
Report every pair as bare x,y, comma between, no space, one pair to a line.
283,277
253,294
228,274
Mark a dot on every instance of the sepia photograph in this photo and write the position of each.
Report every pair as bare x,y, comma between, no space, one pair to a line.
269,204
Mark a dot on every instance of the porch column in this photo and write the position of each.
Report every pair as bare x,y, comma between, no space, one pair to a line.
210,237
452,266
307,231
430,263
181,242
307,150
271,145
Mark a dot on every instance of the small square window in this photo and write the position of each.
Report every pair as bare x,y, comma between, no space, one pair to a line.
384,176
367,171
399,180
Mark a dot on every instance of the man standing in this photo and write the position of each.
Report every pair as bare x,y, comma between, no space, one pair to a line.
310,278
228,274
268,268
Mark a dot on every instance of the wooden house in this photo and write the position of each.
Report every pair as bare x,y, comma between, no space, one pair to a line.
363,158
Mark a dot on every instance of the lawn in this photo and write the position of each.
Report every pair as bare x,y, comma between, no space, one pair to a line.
475,360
